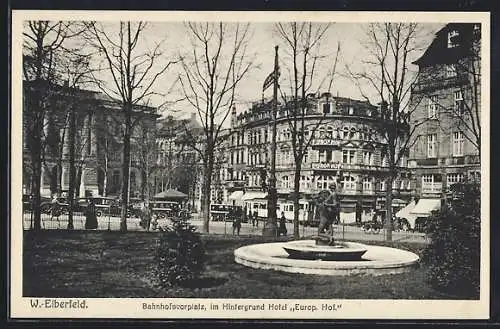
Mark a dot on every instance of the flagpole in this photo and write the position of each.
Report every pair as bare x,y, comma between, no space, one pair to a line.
270,227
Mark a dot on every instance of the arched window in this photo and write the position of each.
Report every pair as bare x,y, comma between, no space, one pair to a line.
345,133
321,132
352,133
349,183
329,132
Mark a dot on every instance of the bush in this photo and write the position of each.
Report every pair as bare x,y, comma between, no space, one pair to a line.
180,254
453,256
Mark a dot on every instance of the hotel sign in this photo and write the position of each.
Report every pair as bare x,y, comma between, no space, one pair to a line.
334,166
327,142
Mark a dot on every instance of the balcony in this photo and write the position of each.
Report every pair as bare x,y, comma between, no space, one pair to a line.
433,84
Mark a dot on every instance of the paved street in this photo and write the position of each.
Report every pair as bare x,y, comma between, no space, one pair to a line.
221,228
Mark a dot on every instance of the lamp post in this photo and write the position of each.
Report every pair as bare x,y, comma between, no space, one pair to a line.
270,226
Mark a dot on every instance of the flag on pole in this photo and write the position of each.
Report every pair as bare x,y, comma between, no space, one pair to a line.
270,80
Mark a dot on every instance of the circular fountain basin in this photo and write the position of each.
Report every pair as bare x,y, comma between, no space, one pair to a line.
342,251
376,260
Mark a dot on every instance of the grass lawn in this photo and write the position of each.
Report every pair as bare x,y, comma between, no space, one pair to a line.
113,264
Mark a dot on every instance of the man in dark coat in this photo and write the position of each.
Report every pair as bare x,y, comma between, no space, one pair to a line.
90,215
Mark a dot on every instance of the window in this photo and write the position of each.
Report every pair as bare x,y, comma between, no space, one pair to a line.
348,156
451,71
285,182
322,156
348,183
367,157
345,133
305,158
351,110
432,106
367,184
382,185
322,182
458,143
352,133
431,145
454,178
329,132
453,39
459,103
326,108
431,183
321,132
369,113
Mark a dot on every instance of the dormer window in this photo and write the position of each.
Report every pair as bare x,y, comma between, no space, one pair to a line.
451,71
351,110
453,39
369,113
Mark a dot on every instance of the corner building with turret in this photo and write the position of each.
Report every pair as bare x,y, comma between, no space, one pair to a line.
346,147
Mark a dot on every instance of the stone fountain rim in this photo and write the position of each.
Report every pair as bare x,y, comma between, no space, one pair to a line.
249,256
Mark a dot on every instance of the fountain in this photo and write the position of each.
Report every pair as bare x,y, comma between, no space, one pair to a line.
325,248
324,256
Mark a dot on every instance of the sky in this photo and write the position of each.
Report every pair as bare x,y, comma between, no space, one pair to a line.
349,38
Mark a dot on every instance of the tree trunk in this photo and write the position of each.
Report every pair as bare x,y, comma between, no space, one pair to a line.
207,182
36,160
125,170
72,168
388,207
296,190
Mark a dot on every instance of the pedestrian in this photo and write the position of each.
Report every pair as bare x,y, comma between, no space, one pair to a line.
282,226
90,215
359,209
236,225
146,215
256,218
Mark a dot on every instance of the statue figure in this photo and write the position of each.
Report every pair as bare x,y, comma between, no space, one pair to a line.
329,210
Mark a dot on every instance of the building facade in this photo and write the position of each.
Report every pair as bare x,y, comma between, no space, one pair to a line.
447,111
98,145
346,147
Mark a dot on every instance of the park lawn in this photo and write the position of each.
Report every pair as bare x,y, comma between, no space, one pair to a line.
114,264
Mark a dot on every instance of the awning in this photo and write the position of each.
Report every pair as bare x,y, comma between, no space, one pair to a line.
398,202
406,213
236,196
254,195
424,207
171,194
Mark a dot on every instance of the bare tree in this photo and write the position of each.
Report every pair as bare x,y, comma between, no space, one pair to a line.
43,41
133,74
387,71
145,142
209,79
302,46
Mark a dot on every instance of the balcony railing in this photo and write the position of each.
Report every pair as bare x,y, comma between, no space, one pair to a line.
433,84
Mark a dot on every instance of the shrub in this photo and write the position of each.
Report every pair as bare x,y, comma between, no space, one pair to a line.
180,254
453,256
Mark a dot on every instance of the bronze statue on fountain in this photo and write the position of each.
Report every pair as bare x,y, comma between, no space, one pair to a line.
328,205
